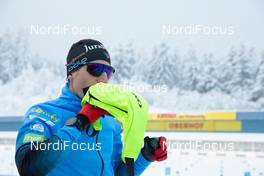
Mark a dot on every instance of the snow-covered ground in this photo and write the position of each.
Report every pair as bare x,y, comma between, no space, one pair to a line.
7,153
191,162
245,159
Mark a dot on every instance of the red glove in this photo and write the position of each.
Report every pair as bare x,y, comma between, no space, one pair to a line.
155,149
91,112
88,114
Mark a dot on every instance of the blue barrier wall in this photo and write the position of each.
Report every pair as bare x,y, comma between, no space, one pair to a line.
250,115
10,123
254,126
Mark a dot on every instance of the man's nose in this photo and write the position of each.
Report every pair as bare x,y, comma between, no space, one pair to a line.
103,78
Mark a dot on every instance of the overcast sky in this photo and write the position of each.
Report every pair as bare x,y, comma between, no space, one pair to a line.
138,21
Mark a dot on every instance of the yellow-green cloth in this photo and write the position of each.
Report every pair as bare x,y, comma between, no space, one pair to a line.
129,108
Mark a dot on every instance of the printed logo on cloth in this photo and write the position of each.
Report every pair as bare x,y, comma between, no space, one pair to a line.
52,117
92,47
48,122
29,137
37,127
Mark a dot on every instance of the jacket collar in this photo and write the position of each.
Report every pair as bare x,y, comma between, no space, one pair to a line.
70,99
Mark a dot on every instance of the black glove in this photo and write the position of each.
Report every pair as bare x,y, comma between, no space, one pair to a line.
155,149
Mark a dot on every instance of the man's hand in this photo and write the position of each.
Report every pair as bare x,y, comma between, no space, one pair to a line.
88,114
155,149
91,112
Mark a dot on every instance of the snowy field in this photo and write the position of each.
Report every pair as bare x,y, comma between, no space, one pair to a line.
245,159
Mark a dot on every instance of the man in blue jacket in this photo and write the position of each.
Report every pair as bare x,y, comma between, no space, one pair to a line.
56,137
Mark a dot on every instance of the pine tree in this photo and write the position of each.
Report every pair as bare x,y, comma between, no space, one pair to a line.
225,72
258,92
124,61
190,72
206,76
7,53
243,72
162,67
237,73
13,56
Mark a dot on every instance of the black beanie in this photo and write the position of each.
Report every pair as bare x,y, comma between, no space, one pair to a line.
85,51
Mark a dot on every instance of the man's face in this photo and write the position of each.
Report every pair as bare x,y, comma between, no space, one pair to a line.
81,79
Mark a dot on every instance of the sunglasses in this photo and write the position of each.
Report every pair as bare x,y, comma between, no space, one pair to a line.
96,69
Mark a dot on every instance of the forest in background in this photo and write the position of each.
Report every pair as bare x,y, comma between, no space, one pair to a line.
238,74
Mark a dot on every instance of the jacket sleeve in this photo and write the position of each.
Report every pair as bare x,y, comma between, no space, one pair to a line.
35,151
119,166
